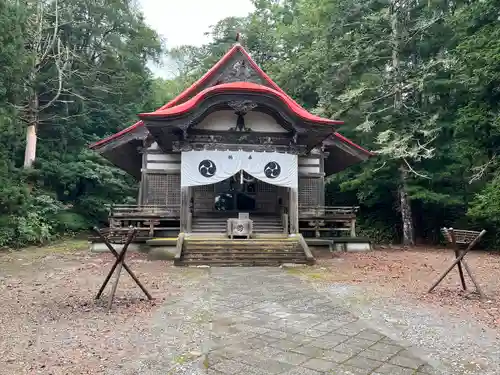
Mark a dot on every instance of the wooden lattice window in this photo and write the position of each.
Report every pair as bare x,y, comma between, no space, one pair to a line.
264,187
205,188
173,189
310,191
157,185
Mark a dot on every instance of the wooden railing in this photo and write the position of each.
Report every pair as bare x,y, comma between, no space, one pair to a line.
135,211
328,219
340,212
149,220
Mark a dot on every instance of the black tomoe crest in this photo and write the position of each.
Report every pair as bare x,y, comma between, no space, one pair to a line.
272,169
207,168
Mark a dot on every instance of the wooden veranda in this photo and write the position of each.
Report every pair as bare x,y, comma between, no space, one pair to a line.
153,221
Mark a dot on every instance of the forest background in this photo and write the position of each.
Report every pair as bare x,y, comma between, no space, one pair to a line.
416,82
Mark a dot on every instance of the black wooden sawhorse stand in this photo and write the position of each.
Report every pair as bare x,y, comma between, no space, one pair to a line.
456,237
120,262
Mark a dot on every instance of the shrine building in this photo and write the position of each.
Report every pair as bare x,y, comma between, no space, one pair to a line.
232,163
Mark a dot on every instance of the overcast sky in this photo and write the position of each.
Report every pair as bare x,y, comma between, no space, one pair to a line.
185,21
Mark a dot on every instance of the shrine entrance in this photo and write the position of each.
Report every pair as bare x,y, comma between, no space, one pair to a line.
225,183
239,193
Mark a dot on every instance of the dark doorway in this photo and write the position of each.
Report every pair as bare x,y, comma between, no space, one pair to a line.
245,202
237,194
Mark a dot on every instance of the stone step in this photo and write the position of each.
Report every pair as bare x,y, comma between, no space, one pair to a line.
249,242
249,258
231,252
226,248
252,252
214,222
254,218
207,227
223,251
255,224
214,245
236,263
224,237
277,220
235,240
223,230
246,260
224,225
162,241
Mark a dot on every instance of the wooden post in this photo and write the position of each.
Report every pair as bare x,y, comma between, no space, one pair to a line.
184,209
189,226
142,183
457,254
353,227
293,211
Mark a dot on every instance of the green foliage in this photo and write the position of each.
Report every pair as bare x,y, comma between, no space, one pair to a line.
71,222
486,204
37,224
377,230
105,84
416,82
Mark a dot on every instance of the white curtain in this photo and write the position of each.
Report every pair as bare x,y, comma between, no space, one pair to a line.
210,167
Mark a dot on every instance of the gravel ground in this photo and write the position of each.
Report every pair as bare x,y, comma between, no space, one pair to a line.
51,324
403,273
388,288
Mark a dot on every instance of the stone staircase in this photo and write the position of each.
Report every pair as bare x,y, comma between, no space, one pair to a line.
264,251
261,224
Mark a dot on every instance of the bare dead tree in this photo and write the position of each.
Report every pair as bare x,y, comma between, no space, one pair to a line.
47,50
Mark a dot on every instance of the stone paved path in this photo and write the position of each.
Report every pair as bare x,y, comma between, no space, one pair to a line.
249,321
266,321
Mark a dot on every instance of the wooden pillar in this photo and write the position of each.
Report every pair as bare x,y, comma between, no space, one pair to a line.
353,227
142,183
322,185
293,211
185,198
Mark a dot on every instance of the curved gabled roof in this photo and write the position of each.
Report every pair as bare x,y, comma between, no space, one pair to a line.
199,85
197,91
247,87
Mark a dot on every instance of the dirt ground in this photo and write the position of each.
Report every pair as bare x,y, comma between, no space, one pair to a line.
51,324
49,320
410,273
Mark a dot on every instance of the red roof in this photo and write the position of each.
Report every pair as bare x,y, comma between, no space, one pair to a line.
208,75
239,86
349,142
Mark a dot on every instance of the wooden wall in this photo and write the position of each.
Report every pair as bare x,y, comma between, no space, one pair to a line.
160,183
161,178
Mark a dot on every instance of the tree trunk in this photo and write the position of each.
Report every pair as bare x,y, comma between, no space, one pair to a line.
31,136
404,201
30,151
405,208
395,55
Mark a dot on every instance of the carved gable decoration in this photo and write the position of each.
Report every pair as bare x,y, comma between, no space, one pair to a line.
239,70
